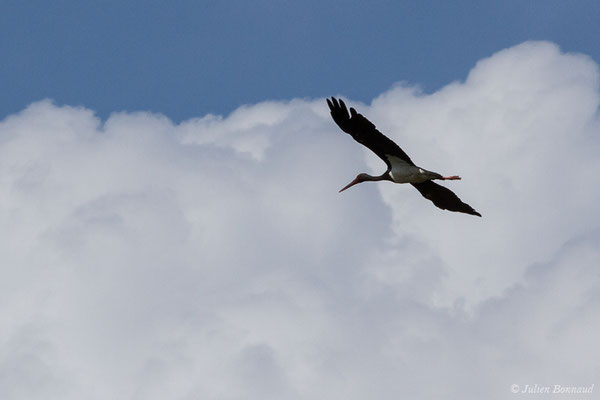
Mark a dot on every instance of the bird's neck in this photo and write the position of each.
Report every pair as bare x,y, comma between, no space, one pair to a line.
383,177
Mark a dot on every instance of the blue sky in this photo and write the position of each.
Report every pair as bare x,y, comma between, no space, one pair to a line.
189,58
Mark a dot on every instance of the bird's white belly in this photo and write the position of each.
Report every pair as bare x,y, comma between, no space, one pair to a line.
403,172
408,174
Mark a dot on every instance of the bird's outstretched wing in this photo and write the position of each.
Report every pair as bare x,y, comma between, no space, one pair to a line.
364,132
444,198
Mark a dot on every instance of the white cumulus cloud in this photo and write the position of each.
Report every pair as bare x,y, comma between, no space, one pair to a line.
214,259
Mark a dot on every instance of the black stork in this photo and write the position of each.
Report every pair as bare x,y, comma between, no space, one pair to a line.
400,168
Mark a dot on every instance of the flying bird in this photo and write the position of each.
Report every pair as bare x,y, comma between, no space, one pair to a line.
400,168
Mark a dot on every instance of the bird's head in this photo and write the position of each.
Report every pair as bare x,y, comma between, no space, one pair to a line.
359,178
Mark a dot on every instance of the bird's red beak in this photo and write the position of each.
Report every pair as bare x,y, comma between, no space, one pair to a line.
354,182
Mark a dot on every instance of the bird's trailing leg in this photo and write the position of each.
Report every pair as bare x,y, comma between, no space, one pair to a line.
452,178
